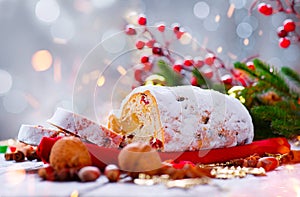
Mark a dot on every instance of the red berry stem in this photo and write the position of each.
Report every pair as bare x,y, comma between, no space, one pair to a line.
250,58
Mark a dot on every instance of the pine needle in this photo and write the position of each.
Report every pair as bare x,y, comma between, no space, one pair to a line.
291,74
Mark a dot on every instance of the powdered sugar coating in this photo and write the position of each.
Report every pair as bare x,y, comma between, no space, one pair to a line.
33,134
84,128
195,119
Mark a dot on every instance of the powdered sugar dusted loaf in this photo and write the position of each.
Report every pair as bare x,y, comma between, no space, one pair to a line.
33,134
81,126
182,118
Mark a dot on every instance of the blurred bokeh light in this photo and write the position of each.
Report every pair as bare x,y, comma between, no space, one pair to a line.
44,42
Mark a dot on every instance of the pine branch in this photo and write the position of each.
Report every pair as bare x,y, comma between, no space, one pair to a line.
289,128
251,93
271,76
269,113
291,74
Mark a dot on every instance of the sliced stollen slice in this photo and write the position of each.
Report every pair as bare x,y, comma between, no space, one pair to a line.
33,134
84,128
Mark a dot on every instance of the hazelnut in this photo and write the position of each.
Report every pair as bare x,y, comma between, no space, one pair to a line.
139,157
112,172
89,173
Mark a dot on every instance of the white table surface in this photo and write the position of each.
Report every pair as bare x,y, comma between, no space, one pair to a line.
14,181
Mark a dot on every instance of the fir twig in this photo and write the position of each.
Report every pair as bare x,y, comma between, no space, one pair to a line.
287,128
271,75
271,100
291,74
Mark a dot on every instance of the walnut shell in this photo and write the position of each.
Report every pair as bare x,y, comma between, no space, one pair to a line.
69,152
139,157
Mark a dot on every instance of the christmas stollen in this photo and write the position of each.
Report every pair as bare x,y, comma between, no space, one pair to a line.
33,134
84,128
183,118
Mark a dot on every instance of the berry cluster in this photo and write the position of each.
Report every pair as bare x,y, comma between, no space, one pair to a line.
208,65
283,32
287,32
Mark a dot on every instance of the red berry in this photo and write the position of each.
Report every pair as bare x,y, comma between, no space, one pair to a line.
138,75
142,20
281,32
188,61
161,27
144,59
150,43
129,30
209,59
157,50
148,66
250,65
175,27
289,25
194,81
140,44
177,68
208,73
179,33
226,79
284,42
198,62
265,9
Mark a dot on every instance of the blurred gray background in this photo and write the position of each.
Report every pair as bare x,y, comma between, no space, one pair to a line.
43,44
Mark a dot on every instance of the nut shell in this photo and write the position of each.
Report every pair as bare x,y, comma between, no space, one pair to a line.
139,157
89,173
112,173
69,152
